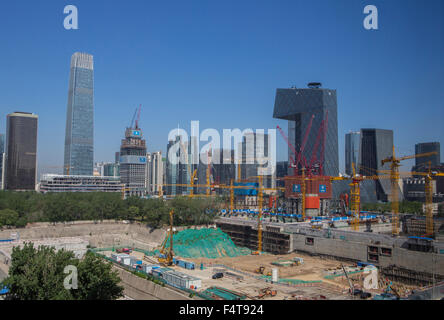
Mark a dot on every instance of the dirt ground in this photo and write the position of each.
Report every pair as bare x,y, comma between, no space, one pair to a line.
312,268
251,286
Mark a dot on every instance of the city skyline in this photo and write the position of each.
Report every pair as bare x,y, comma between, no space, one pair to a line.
377,97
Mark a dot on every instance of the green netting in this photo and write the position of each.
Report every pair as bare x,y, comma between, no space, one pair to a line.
204,243
222,293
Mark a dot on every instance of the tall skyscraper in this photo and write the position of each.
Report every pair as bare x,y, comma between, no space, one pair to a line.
79,135
256,157
352,145
133,162
224,167
176,173
2,160
376,144
21,151
298,106
154,173
422,163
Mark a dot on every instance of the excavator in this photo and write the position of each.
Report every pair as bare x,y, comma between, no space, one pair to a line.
166,257
261,270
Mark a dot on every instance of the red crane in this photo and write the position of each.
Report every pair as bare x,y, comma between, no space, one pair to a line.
300,158
320,137
289,145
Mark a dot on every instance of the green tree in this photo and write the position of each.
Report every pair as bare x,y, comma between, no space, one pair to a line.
8,217
133,212
97,280
38,274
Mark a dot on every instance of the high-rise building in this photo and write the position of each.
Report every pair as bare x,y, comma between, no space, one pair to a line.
133,162
79,135
154,173
376,144
176,172
224,167
422,163
21,151
2,160
352,145
281,172
298,107
111,170
256,158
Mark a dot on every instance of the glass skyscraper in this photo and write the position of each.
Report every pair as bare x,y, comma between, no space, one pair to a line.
352,145
79,136
298,106
376,144
21,151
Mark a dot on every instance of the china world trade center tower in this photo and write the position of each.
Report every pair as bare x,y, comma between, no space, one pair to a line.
79,147
298,106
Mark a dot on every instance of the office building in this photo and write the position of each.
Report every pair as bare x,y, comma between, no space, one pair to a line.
154,173
176,171
376,145
111,170
352,145
79,135
21,151
281,172
72,183
298,107
256,159
133,162
224,168
2,160
422,163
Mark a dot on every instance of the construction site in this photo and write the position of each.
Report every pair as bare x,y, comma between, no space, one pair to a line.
304,239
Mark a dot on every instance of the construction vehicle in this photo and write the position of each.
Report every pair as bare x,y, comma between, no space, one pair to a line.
266,292
387,294
352,289
260,270
166,257
124,250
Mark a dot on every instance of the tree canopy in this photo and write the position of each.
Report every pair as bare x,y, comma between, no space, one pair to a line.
19,208
38,274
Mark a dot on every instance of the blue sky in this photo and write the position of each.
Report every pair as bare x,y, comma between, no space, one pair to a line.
221,62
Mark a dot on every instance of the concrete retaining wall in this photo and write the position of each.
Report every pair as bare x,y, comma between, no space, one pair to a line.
100,234
142,289
412,260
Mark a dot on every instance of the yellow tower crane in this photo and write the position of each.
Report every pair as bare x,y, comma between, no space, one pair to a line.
166,257
193,178
428,190
394,178
259,222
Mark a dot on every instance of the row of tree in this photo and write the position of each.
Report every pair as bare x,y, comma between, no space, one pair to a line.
404,207
46,274
19,208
